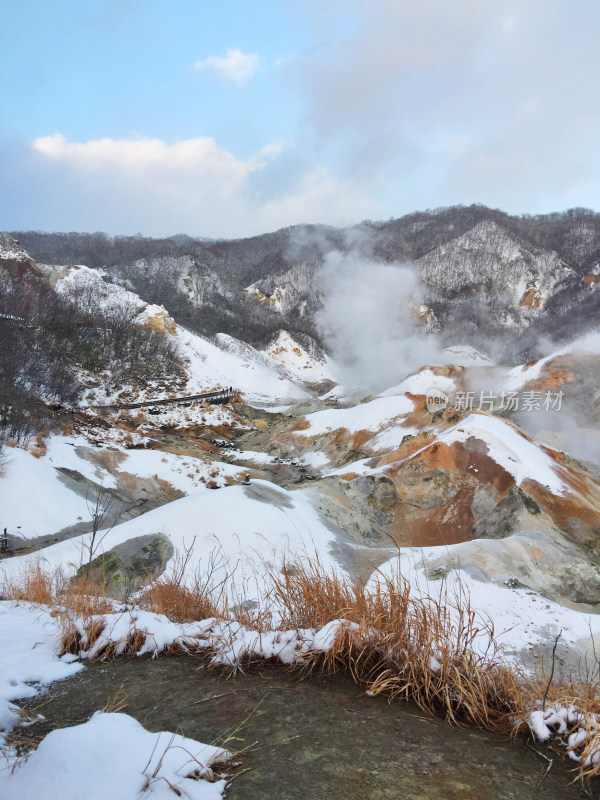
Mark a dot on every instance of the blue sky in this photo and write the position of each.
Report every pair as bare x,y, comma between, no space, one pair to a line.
233,118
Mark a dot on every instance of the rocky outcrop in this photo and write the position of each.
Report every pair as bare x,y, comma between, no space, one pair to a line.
15,262
542,561
128,566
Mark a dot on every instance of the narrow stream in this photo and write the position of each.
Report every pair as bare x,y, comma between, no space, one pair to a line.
315,738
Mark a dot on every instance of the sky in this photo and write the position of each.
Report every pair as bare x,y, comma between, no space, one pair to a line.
234,118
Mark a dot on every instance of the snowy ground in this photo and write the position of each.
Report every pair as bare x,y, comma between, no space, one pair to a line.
28,657
366,416
244,531
33,499
113,756
55,505
524,622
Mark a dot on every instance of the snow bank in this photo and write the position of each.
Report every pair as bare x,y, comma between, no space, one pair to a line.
230,642
29,640
227,362
113,756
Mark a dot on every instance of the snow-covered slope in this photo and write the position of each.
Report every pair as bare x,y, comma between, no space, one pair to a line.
224,362
505,445
55,506
245,530
229,362
66,478
371,416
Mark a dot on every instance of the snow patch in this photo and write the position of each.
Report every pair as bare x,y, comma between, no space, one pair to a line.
369,416
113,756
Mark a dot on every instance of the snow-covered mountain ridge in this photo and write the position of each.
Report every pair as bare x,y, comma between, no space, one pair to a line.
484,273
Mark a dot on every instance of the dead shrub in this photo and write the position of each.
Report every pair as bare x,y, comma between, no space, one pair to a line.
178,603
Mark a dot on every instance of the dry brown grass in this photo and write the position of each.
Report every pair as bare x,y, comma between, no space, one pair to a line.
34,584
198,598
40,586
420,649
38,448
179,603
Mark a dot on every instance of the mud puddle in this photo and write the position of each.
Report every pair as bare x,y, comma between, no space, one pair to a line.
315,738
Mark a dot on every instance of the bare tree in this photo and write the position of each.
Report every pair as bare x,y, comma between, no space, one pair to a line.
105,511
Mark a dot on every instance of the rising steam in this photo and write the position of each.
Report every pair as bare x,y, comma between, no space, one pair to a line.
369,320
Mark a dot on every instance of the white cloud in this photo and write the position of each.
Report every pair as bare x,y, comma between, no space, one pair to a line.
235,66
196,186
201,156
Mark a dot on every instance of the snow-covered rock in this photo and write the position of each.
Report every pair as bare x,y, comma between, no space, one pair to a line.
296,362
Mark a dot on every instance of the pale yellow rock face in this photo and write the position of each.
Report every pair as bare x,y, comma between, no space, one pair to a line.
162,323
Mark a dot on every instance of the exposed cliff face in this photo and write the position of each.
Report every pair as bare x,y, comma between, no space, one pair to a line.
15,261
488,270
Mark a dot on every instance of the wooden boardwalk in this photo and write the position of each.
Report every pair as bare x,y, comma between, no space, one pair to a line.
218,396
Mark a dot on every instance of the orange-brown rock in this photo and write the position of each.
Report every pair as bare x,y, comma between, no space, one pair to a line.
532,297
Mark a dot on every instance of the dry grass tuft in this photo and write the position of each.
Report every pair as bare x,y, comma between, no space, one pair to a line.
198,598
34,585
178,603
38,449
420,649
68,602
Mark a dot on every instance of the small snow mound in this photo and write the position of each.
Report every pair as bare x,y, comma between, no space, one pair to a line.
112,755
